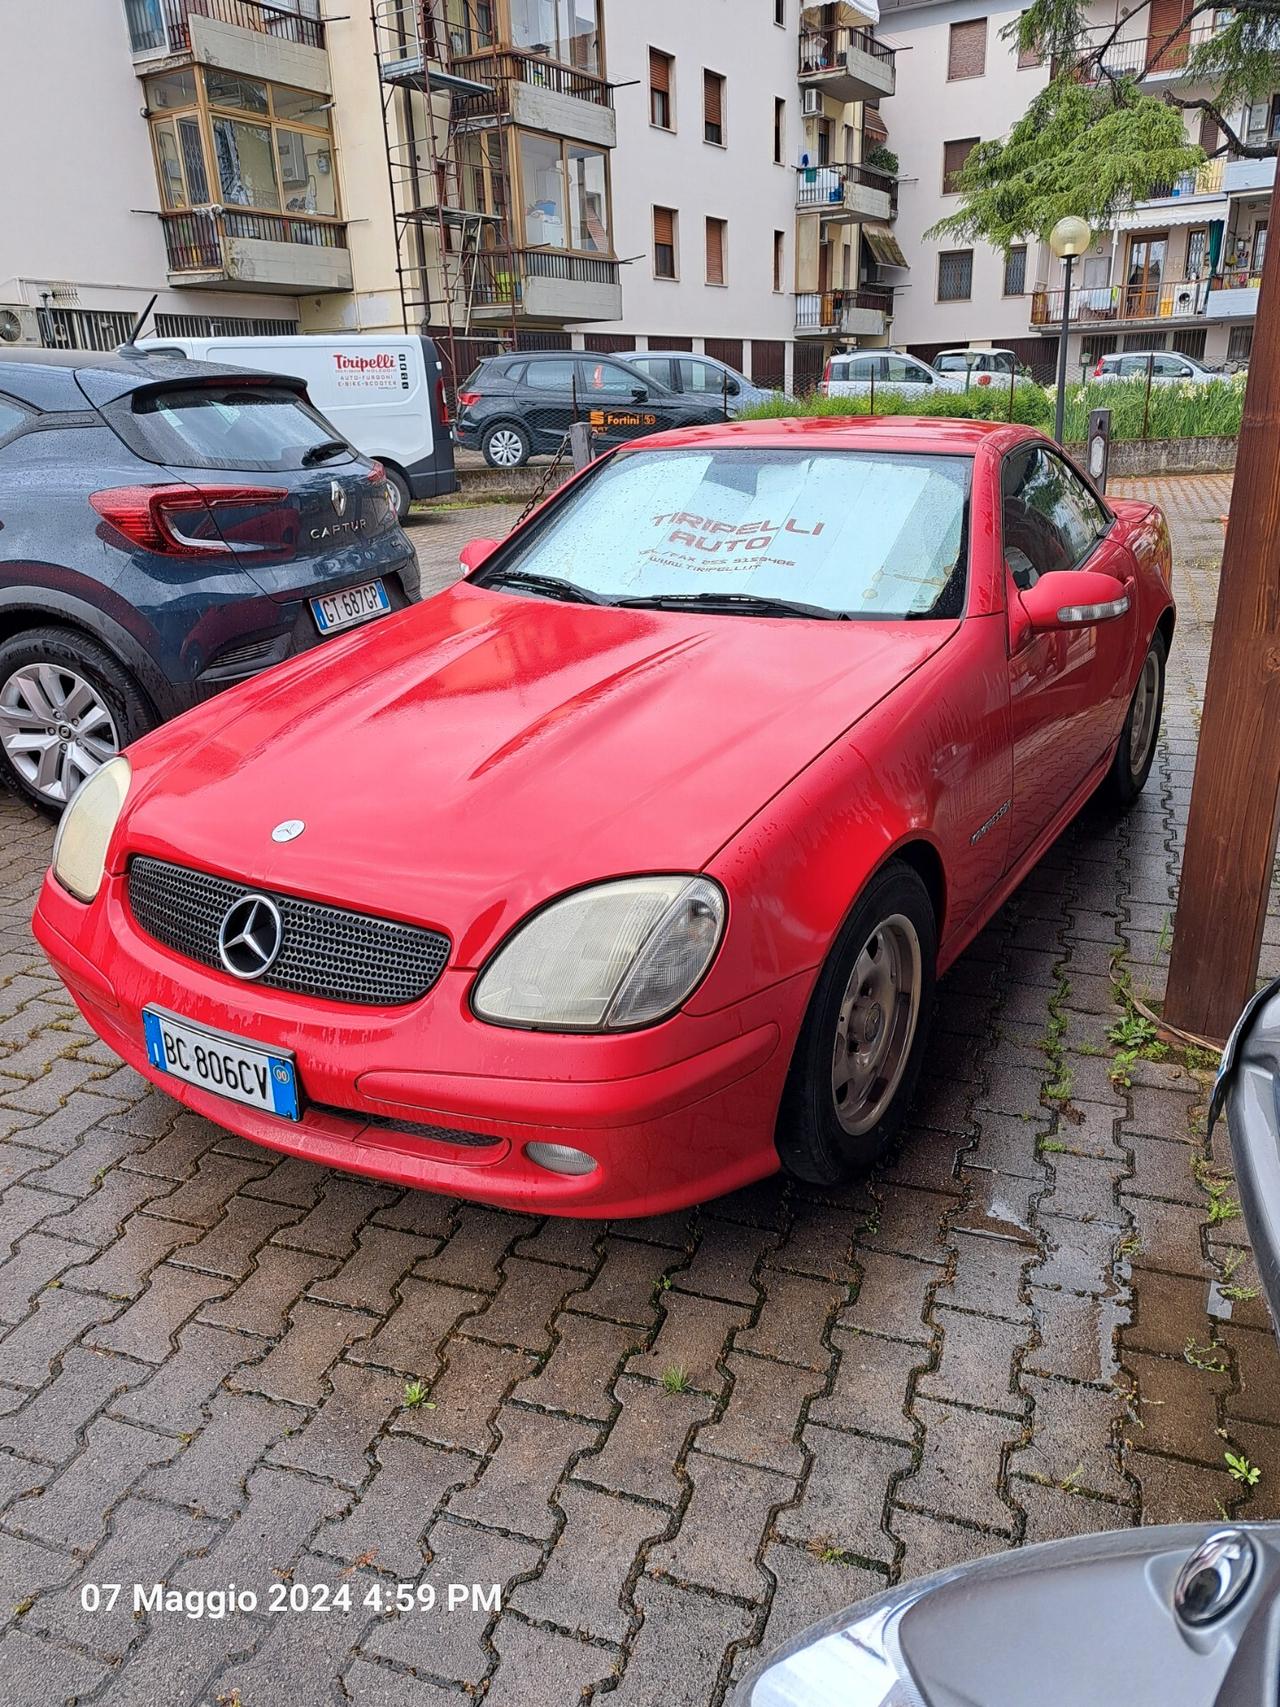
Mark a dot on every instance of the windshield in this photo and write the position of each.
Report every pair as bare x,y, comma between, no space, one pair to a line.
871,534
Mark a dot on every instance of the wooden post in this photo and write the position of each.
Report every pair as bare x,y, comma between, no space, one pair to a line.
581,449
1235,799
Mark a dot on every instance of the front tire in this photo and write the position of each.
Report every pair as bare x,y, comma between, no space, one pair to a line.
1137,749
505,445
859,1052
66,707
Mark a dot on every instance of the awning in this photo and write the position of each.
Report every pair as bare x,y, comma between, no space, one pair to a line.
873,126
854,12
1180,211
884,246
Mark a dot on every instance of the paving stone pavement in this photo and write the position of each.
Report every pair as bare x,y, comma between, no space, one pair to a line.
1026,1326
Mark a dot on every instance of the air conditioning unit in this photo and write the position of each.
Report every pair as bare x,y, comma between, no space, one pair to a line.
18,324
811,103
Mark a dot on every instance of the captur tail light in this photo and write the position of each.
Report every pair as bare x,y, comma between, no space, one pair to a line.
560,1158
442,403
201,521
468,399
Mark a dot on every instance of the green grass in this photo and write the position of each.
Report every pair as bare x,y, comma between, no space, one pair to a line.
1176,411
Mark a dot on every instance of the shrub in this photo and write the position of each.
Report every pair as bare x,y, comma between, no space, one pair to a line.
1031,407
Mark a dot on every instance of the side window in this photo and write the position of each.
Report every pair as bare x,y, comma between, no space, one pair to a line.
1045,526
652,367
866,368
550,376
12,415
1093,518
516,373
1169,367
703,377
603,378
901,371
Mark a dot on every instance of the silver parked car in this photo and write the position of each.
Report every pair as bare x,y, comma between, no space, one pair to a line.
853,374
700,377
976,363
1167,368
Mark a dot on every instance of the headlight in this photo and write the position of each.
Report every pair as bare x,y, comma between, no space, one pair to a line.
80,848
609,958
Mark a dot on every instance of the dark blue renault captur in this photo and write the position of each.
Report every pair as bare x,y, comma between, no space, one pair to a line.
167,528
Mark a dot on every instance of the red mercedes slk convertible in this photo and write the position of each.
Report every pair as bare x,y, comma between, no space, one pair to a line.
621,873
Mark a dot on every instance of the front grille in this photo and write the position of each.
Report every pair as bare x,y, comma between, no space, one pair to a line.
412,1128
326,951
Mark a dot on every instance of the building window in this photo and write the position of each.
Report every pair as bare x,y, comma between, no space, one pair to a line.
779,259
1191,342
1028,57
954,155
1015,272
1240,344
568,34
955,275
661,69
272,145
713,108
715,251
564,191
1139,343
780,13
664,243
967,50
824,142
1259,246
1095,345
779,130
1197,252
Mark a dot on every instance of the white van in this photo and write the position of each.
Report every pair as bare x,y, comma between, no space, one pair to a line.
385,395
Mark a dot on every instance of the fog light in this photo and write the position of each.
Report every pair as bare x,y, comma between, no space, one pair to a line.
560,1158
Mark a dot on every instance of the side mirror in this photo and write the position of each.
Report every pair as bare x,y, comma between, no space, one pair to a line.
475,551
639,395
1073,598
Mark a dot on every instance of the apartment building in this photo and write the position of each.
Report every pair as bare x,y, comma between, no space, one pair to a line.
498,172
1177,271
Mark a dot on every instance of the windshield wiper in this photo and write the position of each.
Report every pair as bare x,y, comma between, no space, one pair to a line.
323,451
554,586
760,603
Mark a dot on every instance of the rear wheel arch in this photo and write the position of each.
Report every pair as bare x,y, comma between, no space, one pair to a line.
1165,626
94,627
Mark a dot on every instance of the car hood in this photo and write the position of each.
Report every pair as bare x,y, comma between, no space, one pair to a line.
459,763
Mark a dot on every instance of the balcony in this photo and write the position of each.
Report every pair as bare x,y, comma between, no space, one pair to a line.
1249,177
1122,305
1129,58
836,313
288,254
843,194
279,43
543,285
1192,199
541,94
1234,295
846,64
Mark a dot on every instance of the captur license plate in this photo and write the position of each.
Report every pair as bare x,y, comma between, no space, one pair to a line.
222,1064
333,611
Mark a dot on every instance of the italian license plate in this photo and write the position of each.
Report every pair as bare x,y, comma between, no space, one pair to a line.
222,1064
333,611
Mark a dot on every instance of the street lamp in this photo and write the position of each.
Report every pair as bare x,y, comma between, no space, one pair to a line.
1070,237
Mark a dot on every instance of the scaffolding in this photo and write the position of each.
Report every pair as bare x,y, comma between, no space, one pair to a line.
448,147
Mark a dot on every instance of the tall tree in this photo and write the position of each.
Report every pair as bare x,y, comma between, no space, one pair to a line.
1091,143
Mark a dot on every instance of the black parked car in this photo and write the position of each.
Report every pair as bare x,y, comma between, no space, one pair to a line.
517,406
167,528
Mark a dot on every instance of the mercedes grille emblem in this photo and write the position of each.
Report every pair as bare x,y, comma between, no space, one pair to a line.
338,492
289,831
251,936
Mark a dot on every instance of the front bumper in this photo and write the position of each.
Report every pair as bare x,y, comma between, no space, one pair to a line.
672,1116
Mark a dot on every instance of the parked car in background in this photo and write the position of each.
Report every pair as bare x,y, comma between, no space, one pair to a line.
1165,366
621,873
384,395
167,528
521,405
1248,1092
854,374
980,366
701,377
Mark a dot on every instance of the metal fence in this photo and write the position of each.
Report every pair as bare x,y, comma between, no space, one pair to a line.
826,311
195,240
165,25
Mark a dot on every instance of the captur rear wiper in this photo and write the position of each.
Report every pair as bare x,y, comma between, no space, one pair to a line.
554,586
323,451
760,603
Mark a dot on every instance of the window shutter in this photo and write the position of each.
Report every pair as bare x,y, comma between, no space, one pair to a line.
659,71
712,90
664,227
954,155
967,55
715,251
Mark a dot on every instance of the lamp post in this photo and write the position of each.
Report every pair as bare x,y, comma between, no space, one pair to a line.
1070,237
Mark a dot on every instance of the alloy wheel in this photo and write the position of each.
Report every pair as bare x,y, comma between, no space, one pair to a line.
506,448
1142,719
55,728
879,1013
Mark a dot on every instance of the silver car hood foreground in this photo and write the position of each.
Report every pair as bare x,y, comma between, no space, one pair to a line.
1080,1623
1248,1088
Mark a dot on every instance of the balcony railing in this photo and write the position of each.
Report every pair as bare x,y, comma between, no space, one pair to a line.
1169,299
157,26
821,50
1130,58
508,66
499,279
195,240
824,186
1206,180
826,311
1237,278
